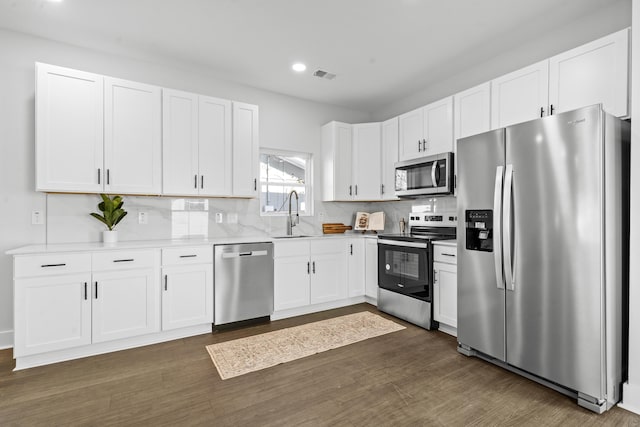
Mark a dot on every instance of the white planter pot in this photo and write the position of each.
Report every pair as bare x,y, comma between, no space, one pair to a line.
110,236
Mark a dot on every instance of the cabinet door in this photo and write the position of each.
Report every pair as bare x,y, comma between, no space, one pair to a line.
371,268
125,304
187,296
389,158
445,293
438,127
328,271
291,281
179,143
355,266
366,162
411,135
472,111
69,130
215,152
520,96
596,72
132,134
51,313
245,149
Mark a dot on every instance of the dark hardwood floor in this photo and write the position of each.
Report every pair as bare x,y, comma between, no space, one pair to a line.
411,377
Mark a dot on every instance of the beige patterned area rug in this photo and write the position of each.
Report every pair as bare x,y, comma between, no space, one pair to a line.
244,355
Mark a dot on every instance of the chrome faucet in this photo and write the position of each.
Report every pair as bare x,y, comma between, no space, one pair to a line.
290,221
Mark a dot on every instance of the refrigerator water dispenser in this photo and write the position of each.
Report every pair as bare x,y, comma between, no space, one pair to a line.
479,230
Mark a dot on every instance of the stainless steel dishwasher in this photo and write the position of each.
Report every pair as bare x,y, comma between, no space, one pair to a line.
243,282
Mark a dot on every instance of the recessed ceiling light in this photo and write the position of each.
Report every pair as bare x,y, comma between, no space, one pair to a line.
299,67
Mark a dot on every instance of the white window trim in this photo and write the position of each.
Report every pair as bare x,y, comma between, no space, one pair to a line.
308,181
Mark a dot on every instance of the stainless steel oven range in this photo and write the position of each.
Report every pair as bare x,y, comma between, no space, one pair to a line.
405,267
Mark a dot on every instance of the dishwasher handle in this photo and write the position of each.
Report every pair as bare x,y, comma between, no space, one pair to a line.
243,254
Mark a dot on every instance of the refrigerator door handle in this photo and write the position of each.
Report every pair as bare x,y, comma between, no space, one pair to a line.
497,227
507,242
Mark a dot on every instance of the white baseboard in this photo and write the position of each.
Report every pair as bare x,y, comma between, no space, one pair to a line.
630,397
308,309
6,339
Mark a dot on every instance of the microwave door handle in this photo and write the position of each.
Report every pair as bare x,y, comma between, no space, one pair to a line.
497,227
506,224
434,178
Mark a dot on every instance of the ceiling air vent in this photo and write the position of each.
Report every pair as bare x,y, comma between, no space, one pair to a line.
324,74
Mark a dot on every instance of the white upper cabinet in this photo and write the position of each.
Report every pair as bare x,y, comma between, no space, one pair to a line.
196,144
596,72
69,130
426,131
215,145
366,161
472,111
520,96
389,158
245,149
132,137
179,143
337,141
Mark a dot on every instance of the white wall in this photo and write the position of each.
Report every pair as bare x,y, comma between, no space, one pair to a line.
285,122
614,16
631,390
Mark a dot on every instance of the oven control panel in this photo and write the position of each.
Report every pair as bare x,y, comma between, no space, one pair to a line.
443,219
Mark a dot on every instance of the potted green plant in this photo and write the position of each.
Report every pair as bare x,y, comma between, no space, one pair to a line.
112,214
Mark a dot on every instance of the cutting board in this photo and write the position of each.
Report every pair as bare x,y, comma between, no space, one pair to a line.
335,228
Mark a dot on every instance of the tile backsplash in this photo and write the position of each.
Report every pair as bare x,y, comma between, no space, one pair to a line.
68,218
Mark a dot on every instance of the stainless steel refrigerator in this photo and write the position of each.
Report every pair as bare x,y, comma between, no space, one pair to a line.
543,251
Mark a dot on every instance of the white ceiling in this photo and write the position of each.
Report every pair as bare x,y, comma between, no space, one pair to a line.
381,50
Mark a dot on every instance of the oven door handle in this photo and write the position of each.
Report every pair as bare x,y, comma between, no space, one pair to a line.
403,243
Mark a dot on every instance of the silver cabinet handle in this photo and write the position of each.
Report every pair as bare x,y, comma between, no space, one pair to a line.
497,227
506,224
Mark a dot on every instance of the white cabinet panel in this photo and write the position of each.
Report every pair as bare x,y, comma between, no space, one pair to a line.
520,96
411,134
371,268
366,162
69,130
245,149
337,149
215,149
125,304
472,111
187,296
438,127
51,313
291,280
132,137
179,143
596,72
355,267
328,271
445,294
390,135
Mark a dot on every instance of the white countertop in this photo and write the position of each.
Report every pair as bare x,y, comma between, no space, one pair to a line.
147,244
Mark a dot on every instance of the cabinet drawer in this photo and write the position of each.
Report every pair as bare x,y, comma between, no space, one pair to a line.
187,255
49,264
445,254
290,248
120,260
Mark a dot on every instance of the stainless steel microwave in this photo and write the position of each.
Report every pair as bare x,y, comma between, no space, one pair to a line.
425,176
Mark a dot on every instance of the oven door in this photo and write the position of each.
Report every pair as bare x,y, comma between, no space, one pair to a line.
403,267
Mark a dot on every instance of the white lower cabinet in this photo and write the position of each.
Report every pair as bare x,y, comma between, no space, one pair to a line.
355,265
187,287
309,272
51,313
371,268
445,287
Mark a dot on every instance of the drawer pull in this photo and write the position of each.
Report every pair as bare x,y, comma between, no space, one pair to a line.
96,290
165,282
448,255
52,265
188,256
123,260
85,291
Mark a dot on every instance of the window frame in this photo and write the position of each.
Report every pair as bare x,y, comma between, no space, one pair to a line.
308,184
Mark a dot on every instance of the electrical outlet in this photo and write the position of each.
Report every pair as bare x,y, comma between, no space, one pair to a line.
143,218
37,218
219,218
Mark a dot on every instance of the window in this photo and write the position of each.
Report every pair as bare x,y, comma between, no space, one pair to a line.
280,173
